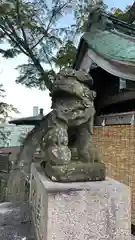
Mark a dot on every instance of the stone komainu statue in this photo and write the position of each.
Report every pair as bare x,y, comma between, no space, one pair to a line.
64,135
67,144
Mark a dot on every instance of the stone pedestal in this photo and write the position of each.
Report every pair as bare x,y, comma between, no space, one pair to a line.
79,211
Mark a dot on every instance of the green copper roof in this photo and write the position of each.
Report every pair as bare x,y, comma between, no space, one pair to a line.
111,44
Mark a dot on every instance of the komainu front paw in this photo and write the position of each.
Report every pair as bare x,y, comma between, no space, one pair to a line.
58,155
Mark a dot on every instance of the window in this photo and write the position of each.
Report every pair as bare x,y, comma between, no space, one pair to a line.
126,84
122,84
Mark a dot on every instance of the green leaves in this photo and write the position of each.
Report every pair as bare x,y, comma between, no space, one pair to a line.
9,53
66,55
4,136
32,28
128,15
30,77
5,108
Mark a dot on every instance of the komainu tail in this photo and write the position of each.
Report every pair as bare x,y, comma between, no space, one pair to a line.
17,189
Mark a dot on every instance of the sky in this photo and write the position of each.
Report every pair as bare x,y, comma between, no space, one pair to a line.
23,98
118,3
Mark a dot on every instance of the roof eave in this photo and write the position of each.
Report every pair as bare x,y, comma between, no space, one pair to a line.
80,53
34,120
127,28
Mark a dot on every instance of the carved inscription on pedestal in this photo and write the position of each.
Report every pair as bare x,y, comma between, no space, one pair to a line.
36,205
38,213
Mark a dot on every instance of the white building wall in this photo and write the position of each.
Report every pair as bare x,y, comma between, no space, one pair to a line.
14,134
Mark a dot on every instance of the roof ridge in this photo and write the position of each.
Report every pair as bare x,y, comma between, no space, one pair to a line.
118,21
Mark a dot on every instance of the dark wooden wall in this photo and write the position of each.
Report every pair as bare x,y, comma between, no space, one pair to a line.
105,85
110,99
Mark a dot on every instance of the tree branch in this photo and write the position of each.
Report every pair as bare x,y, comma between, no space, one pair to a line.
54,12
10,35
51,19
47,58
15,34
29,53
40,40
20,25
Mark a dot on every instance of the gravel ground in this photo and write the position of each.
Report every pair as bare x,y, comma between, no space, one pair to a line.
15,223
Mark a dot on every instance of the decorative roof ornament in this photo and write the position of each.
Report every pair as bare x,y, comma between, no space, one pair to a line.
109,41
132,122
97,18
103,123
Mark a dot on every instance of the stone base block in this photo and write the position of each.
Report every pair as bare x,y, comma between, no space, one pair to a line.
76,172
79,211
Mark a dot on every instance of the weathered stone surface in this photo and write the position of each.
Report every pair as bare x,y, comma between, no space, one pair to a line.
15,222
71,128
75,171
66,130
79,211
3,186
18,191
